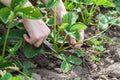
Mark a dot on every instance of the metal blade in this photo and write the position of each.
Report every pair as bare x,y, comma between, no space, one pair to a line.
49,45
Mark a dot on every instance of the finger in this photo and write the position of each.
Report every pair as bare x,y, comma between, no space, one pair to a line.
28,39
39,42
81,39
72,41
77,46
81,35
45,38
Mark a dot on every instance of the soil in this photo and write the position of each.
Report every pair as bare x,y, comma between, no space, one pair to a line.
48,67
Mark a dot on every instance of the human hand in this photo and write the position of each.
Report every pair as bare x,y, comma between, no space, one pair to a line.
37,31
73,42
61,11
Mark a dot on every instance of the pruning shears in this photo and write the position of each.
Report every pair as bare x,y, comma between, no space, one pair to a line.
49,45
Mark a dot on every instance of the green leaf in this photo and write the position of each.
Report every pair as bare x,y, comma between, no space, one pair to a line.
78,26
50,22
2,5
61,40
107,3
31,79
77,78
117,23
78,52
16,47
28,64
27,67
15,78
42,51
69,18
96,42
5,14
87,2
30,51
1,25
74,60
77,1
65,66
20,76
29,12
96,59
28,71
106,20
63,26
4,63
117,5
16,4
103,23
16,34
75,34
18,64
6,76
52,3
61,56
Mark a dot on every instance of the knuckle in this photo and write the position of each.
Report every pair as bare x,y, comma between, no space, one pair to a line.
46,34
36,37
48,31
36,45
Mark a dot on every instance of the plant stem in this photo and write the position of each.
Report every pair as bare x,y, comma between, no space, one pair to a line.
92,9
27,77
6,38
95,35
55,29
13,68
63,41
82,16
65,48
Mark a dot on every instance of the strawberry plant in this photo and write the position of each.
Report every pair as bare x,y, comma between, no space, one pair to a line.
70,27
97,47
79,17
9,18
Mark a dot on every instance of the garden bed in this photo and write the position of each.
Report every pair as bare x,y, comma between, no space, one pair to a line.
97,59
